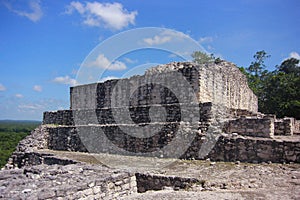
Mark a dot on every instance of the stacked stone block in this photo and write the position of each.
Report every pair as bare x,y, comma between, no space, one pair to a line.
284,126
158,101
250,126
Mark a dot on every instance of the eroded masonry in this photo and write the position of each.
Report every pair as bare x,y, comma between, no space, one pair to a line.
211,102
178,110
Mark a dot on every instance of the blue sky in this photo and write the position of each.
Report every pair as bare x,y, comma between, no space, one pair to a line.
43,43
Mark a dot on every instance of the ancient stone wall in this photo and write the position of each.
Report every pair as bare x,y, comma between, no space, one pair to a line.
250,149
146,182
83,96
251,126
297,127
132,115
224,83
227,148
162,102
61,117
284,126
168,84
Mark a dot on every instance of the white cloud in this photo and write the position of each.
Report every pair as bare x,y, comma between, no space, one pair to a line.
65,80
34,14
19,96
2,87
157,40
130,61
30,106
108,15
174,34
103,62
37,88
294,55
107,78
205,40
165,37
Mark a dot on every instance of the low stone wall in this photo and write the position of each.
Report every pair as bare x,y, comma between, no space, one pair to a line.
21,159
297,127
61,117
284,126
64,139
147,182
255,127
249,149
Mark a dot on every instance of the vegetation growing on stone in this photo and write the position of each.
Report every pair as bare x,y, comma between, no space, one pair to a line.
203,58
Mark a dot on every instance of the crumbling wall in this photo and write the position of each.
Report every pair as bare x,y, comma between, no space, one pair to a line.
255,127
62,117
224,83
147,182
297,127
284,126
217,83
227,147
250,149
130,115
168,98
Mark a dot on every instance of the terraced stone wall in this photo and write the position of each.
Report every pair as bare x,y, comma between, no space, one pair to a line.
169,84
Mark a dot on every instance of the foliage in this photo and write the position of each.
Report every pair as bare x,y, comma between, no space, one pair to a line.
278,91
11,132
203,58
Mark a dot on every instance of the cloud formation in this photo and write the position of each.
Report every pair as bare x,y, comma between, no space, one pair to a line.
104,63
207,39
2,87
130,61
65,80
19,96
295,55
34,14
107,78
165,37
107,15
157,40
30,106
37,88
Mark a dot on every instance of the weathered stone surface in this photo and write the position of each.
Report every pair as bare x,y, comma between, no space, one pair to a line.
223,97
53,181
285,126
211,83
251,126
94,109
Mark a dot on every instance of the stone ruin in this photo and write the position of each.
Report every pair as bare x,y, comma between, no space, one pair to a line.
210,104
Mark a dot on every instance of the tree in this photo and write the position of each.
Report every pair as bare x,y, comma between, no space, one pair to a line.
290,66
256,68
278,91
282,95
257,75
203,58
